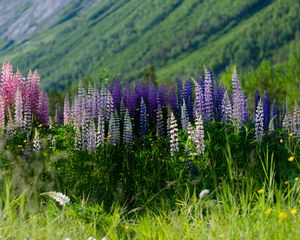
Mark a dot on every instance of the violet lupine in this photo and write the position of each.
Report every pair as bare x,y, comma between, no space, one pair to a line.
91,101
237,100
259,122
267,110
19,109
43,114
152,102
275,114
246,115
199,134
219,99
36,141
127,130
79,105
143,118
188,97
2,112
226,109
67,110
296,120
160,121
173,133
198,108
116,92
100,129
184,117
208,106
109,108
179,95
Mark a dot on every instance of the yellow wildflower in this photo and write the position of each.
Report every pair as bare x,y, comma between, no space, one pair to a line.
293,211
281,140
25,141
291,158
282,215
260,191
296,179
291,134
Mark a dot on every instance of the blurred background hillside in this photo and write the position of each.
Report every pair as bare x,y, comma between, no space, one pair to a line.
77,39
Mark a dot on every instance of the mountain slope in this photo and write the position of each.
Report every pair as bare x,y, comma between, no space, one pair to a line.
175,36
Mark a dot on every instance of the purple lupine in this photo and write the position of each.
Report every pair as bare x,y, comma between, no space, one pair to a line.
79,105
67,110
259,122
152,102
27,115
91,136
179,95
160,121
143,119
221,89
19,109
226,109
237,100
43,113
245,109
198,108
122,108
275,114
109,108
171,98
184,117
188,97
267,110
199,134
296,120
257,98
7,84
21,84
127,130
91,101
34,91
84,130
2,112
114,129
208,106
173,133
116,92
100,129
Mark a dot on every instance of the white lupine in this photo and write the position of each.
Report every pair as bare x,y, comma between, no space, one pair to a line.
59,197
173,133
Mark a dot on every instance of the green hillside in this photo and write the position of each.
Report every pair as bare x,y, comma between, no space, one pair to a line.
177,37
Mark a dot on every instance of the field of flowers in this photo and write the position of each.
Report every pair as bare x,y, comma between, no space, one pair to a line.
147,161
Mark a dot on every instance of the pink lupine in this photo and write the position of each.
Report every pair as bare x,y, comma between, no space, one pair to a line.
34,90
2,112
8,85
43,113
19,111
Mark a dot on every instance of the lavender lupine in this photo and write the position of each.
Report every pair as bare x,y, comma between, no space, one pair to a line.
100,129
259,122
198,107
114,129
160,121
199,134
143,118
237,100
219,99
2,112
91,101
296,120
109,108
208,106
34,91
43,114
184,117
173,133
19,109
36,141
226,109
188,97
91,136
84,130
127,130
67,110
79,105
267,110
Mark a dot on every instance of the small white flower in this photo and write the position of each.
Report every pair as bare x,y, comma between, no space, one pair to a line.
91,238
203,193
105,238
59,197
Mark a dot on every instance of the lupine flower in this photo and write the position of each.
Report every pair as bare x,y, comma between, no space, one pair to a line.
78,143
267,110
160,121
67,110
184,117
114,129
257,98
18,109
59,197
100,129
27,115
221,89
143,118
208,96
116,92
226,109
259,122
190,145
296,120
237,99
275,114
79,105
287,122
199,134
109,108
43,114
188,97
91,136
173,132
204,192
179,94
10,128
34,90
127,129
198,108
36,141
2,112
245,109
8,86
